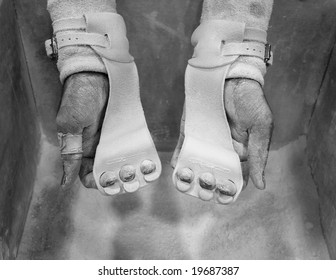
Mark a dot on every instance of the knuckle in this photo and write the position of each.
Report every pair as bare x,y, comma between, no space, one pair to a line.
69,119
64,123
61,119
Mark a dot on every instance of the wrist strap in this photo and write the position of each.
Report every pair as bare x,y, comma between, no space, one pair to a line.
111,45
221,42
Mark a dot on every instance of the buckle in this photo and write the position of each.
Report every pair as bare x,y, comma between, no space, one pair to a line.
54,48
268,54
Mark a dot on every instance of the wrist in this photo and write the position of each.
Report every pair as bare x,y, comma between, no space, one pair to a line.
74,59
221,43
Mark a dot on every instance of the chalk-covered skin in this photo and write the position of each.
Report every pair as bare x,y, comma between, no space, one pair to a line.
86,93
82,111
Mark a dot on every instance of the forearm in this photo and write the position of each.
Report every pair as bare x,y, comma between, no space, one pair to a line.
73,8
255,13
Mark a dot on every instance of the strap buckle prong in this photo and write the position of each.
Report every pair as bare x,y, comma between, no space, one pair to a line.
54,48
268,54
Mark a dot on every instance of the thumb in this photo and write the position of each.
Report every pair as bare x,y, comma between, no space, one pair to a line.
258,147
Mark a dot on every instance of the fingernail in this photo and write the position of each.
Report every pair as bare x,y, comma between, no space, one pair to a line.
261,182
207,181
127,173
228,189
185,175
147,167
264,180
107,179
261,187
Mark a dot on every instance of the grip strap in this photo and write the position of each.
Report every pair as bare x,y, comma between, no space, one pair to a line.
125,139
207,146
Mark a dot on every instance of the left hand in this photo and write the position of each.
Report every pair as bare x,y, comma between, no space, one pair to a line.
251,124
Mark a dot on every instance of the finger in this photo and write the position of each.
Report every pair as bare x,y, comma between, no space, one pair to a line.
70,130
89,150
83,166
258,146
71,154
246,172
86,174
238,133
91,136
180,141
71,166
107,180
241,150
240,144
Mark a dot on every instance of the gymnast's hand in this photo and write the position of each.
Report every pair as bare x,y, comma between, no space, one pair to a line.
82,112
251,123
